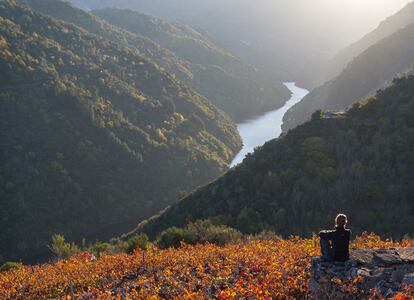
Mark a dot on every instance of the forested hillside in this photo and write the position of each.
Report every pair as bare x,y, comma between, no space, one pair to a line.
93,133
386,28
362,164
237,88
289,40
64,11
227,82
371,70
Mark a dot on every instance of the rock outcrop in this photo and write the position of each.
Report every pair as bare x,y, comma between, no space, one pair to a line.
384,272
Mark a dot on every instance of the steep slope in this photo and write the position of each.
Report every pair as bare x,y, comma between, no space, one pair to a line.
362,164
371,70
237,88
66,12
290,40
386,28
227,82
92,133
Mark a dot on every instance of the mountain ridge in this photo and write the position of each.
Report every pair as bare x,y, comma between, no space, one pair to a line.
360,164
371,70
84,120
392,24
229,83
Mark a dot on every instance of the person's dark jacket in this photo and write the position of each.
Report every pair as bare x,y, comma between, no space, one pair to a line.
339,239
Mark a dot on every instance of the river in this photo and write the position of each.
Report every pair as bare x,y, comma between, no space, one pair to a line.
258,131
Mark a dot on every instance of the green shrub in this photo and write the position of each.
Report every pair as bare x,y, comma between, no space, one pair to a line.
222,235
137,241
317,115
98,248
61,248
172,237
10,265
203,231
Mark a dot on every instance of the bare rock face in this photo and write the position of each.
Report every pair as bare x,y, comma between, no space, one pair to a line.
384,272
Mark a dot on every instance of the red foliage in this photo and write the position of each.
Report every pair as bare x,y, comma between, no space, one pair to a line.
272,269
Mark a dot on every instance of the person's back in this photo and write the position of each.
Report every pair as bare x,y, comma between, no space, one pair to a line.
335,243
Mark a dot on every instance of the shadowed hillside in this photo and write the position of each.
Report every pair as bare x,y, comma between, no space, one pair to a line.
386,28
237,88
361,164
373,69
93,133
227,82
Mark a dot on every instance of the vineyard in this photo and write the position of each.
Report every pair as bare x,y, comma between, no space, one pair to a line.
252,269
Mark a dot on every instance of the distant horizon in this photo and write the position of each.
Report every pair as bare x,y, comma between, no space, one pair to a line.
373,12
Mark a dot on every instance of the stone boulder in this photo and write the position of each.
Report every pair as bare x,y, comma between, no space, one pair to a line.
387,271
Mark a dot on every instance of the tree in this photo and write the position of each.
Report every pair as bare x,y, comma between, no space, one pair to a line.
61,248
317,115
138,241
171,237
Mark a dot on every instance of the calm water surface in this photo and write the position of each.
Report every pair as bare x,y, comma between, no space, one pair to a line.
258,131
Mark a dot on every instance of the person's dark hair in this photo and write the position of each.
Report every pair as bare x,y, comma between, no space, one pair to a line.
341,220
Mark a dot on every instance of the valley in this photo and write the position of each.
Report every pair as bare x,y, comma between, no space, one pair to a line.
260,130
360,164
192,149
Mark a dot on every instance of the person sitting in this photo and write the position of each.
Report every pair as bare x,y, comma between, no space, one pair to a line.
335,243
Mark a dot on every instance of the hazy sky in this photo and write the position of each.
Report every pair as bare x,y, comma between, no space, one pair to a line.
291,37
350,18
383,6
372,10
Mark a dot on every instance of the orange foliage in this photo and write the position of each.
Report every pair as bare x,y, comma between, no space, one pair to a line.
271,269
